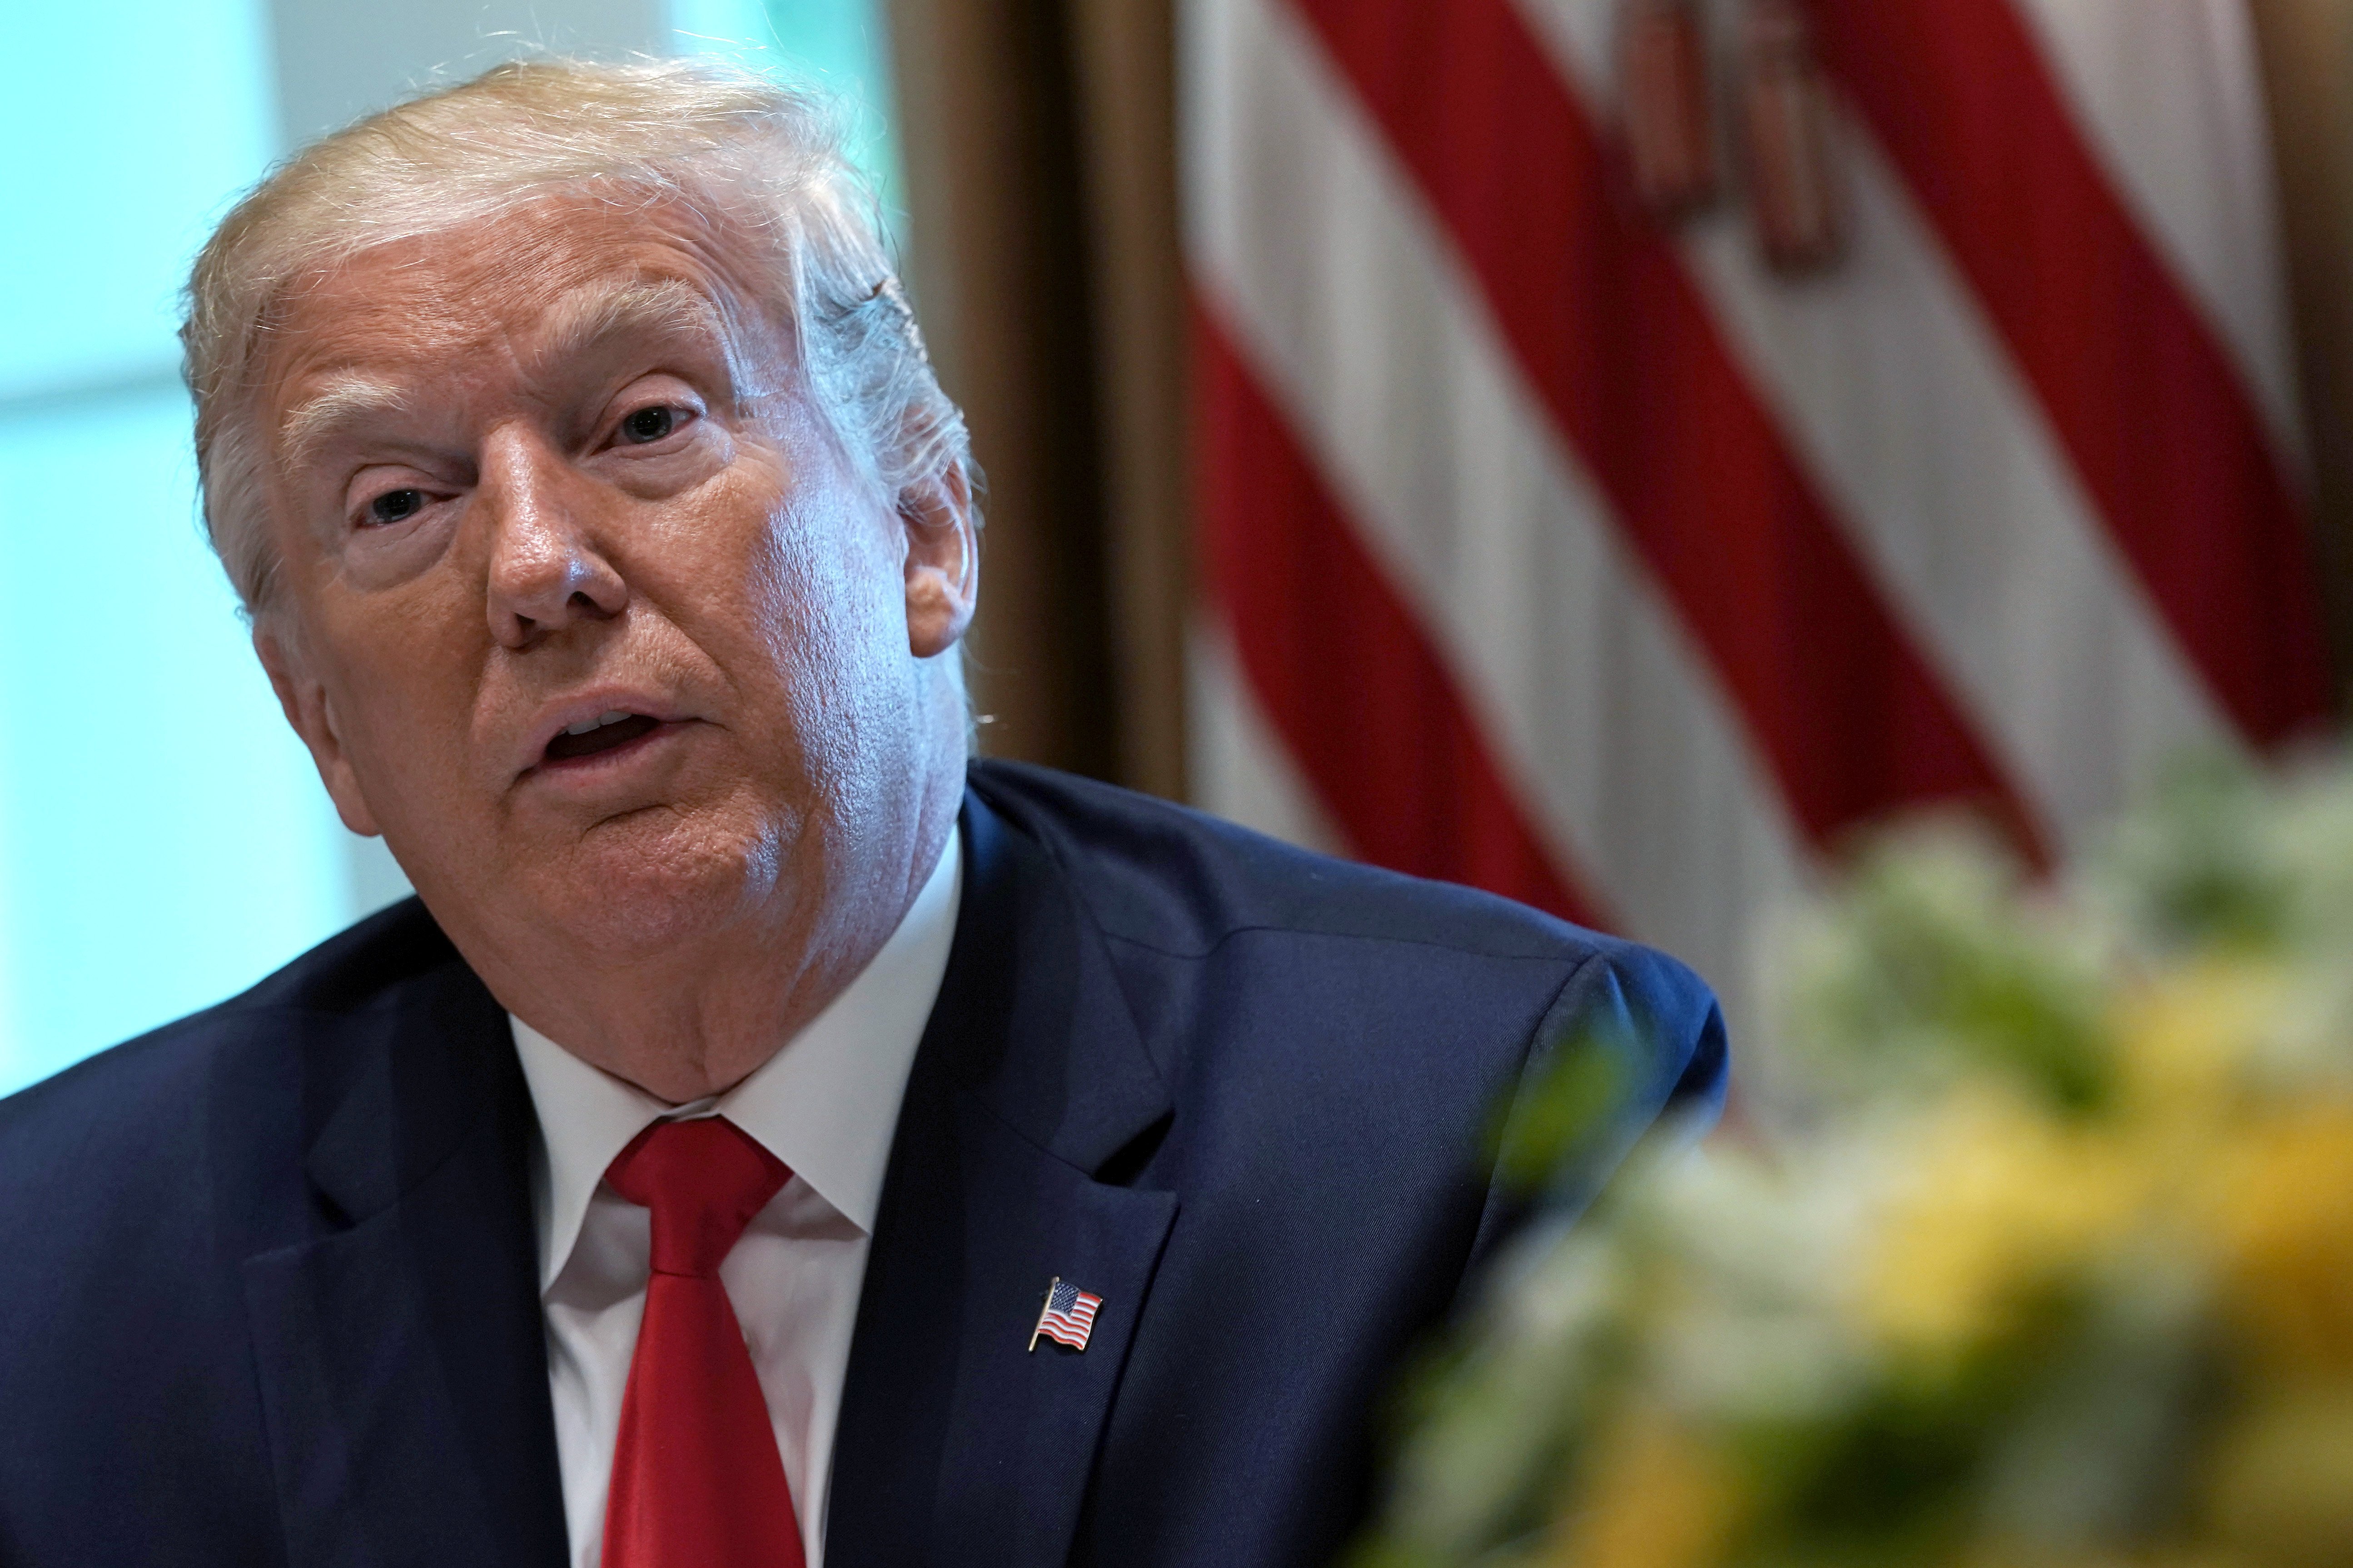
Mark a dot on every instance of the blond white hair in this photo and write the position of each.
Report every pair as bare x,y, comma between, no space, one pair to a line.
727,142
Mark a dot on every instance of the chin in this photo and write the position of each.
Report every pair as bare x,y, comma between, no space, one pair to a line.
636,887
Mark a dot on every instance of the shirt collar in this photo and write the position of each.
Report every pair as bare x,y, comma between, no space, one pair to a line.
827,1104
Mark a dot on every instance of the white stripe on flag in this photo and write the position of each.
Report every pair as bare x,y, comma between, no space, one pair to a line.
2191,161
1889,382
1602,711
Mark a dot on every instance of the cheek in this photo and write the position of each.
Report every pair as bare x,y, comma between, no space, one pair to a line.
830,636
826,597
404,689
805,564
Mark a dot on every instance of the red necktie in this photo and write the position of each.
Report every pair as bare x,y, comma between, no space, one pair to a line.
697,1481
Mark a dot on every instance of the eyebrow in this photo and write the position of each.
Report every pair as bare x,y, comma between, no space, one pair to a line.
348,397
581,321
583,318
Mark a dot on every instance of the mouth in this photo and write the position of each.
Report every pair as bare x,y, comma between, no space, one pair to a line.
608,733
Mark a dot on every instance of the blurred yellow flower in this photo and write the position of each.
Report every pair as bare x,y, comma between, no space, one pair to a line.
1997,1194
2282,1209
1654,1498
2186,1039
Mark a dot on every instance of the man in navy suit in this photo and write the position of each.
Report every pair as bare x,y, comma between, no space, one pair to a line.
682,1177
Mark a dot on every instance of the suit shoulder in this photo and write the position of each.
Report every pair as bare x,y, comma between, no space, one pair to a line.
1181,881
137,1092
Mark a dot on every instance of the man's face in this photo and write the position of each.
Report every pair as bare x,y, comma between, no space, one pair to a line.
582,608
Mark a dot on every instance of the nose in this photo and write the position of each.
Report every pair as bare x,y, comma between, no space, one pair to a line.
546,570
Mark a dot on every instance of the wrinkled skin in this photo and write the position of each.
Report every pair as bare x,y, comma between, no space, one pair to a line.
555,464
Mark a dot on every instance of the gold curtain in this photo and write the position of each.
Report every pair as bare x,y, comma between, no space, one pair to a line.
2307,62
1042,215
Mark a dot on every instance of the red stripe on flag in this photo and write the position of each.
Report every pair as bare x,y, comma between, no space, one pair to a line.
1340,663
1616,343
2136,382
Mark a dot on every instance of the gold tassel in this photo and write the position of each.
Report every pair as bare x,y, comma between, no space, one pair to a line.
1796,202
1670,122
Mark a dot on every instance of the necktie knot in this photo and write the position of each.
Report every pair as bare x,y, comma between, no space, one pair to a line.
704,1180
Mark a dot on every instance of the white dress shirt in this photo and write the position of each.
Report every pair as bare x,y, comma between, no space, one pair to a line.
825,1105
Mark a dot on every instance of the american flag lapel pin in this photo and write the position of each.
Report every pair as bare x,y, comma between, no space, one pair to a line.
1069,1315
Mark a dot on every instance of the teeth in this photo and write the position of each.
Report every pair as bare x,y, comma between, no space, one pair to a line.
611,716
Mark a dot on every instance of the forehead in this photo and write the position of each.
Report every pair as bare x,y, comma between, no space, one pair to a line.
478,294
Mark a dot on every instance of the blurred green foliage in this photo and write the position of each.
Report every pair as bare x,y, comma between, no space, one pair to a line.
2050,1263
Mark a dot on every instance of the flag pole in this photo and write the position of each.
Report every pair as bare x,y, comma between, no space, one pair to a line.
1045,1307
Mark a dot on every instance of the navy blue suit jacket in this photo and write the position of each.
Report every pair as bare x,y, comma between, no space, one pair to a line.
267,1288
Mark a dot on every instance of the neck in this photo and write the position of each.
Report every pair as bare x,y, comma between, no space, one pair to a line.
698,1017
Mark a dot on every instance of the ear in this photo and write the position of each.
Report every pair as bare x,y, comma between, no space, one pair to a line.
942,562
303,700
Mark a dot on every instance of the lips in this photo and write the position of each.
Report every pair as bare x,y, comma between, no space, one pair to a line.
607,732
582,736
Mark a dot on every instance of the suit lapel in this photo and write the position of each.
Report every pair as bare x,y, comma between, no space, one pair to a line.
958,1444
401,1357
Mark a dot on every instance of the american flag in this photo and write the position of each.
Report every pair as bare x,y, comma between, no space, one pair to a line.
1069,1317
1599,547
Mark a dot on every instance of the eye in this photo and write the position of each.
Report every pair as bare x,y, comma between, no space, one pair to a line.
649,424
395,505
